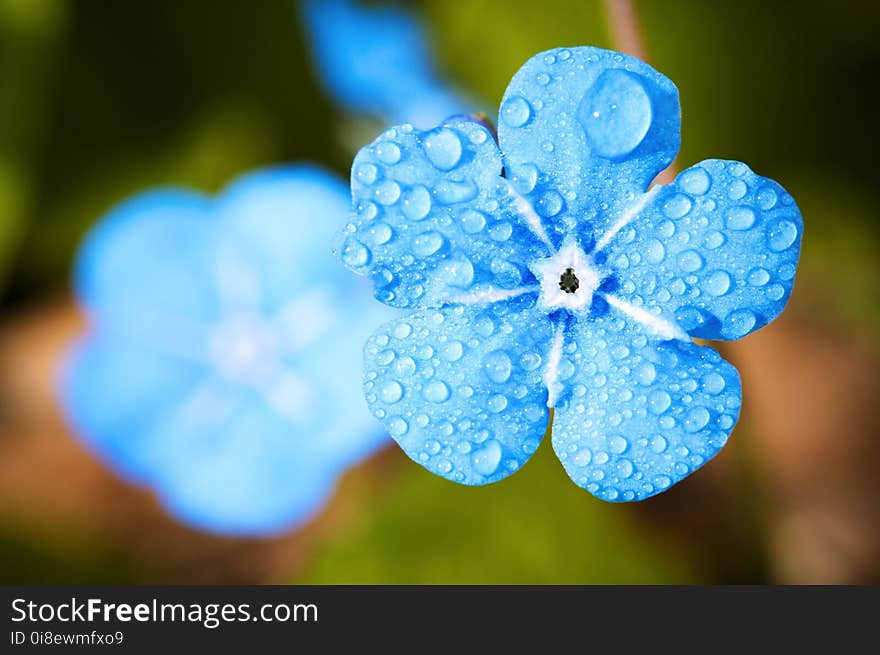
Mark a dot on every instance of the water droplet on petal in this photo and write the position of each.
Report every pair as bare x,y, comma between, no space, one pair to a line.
690,261
472,221
616,114
781,235
391,392
677,206
436,392
659,401
741,218
427,244
516,111
417,203
354,253
443,148
387,192
497,403
697,418
397,426
497,366
617,444
717,283
487,458
695,181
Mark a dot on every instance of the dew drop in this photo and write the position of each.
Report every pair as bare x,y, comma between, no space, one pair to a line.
427,244
690,261
697,418
354,253
497,366
677,206
530,361
617,444
516,111
695,181
766,198
616,114
713,383
472,221
397,426
583,457
717,283
758,277
659,401
452,351
391,393
781,235
714,239
658,444
487,458
443,148
387,192
366,173
436,392
654,251
497,403
417,203
646,373
741,218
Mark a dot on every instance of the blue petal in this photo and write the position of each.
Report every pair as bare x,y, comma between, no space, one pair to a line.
715,251
115,393
637,414
288,217
434,221
376,60
248,475
460,388
149,256
585,130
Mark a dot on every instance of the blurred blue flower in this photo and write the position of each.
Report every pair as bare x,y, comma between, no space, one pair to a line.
377,61
222,363
544,274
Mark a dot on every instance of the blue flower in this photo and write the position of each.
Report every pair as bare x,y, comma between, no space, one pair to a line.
377,61
222,360
543,273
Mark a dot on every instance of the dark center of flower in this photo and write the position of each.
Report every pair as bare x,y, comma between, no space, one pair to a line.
568,281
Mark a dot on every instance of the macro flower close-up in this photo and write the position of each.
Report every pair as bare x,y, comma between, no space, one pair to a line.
548,280
220,366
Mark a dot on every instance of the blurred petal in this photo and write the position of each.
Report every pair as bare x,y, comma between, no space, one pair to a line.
461,388
434,221
715,251
376,60
584,131
148,258
249,474
638,414
115,393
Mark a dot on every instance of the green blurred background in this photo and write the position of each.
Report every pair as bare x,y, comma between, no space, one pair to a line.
99,99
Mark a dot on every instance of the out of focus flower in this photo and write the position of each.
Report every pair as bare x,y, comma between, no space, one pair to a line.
222,363
377,61
544,274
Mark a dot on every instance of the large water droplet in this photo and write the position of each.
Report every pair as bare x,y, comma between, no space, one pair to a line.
695,181
458,272
617,444
781,234
741,218
524,177
452,351
366,173
497,366
654,252
354,253
677,206
487,458
497,403
646,373
397,426
616,114
391,392
436,392
713,383
417,203
697,418
472,221
443,148
449,192
690,261
427,244
758,277
717,283
387,192
516,111
659,401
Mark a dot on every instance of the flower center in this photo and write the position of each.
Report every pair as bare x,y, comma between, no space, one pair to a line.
568,281
245,351
568,278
